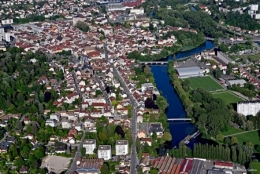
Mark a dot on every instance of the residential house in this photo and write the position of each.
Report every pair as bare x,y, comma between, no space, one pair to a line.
73,132
10,139
90,145
78,126
55,117
26,121
51,123
65,124
104,151
146,140
156,128
3,149
141,134
24,169
60,150
43,80
122,147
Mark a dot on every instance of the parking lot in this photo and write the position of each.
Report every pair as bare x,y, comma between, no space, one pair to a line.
56,164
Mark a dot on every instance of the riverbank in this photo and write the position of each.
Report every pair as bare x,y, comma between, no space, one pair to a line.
158,102
166,53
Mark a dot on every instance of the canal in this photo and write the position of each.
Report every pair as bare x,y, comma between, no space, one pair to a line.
175,109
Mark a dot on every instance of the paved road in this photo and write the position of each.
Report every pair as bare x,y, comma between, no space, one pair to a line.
241,133
134,158
244,97
73,165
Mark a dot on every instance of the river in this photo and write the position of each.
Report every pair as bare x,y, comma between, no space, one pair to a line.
175,110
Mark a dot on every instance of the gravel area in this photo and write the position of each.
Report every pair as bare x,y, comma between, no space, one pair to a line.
56,164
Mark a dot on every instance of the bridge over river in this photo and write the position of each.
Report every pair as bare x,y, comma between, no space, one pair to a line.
179,119
154,62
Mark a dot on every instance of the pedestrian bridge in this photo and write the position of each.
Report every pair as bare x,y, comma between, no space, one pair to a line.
154,63
179,119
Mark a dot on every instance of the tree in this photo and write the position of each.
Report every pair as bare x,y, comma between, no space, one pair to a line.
34,128
83,151
104,168
220,137
258,148
13,151
167,136
249,125
41,96
147,69
223,47
154,171
154,136
82,26
19,162
102,137
39,153
18,125
234,140
218,73
234,153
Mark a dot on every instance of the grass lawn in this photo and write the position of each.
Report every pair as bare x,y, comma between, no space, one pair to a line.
231,130
254,167
227,97
204,82
252,137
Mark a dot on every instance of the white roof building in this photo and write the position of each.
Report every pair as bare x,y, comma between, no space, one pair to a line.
248,108
104,151
241,82
187,72
121,147
90,145
147,86
51,123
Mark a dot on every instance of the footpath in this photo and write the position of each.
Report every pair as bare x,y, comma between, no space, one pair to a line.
241,133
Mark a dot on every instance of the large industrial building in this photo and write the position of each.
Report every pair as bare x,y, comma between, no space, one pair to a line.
240,82
248,108
187,72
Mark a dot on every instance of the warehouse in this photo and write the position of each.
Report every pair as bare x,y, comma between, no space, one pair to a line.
240,82
187,72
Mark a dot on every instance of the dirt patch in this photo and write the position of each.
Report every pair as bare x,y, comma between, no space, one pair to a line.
56,164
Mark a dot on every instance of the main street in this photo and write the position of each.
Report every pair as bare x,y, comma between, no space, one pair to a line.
134,158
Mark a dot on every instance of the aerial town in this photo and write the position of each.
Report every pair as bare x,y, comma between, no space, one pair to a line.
130,87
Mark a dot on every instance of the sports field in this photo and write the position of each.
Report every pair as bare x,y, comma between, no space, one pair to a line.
204,82
227,97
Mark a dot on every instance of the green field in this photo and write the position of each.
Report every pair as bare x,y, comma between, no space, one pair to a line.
254,167
204,82
227,97
231,130
252,137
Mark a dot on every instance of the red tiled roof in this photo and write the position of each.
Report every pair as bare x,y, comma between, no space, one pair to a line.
224,164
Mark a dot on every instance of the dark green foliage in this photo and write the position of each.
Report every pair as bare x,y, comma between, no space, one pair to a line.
243,21
18,79
248,89
82,26
237,153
